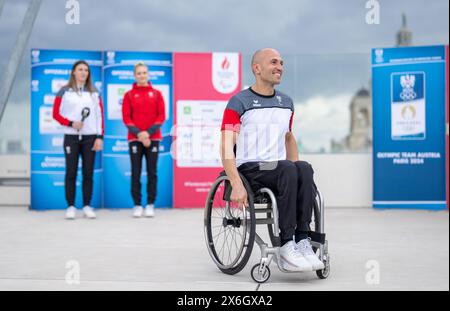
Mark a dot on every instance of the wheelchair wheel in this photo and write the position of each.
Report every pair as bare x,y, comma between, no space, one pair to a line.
264,198
258,276
325,273
316,214
229,228
273,239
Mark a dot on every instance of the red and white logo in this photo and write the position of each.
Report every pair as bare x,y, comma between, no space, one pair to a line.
225,64
225,72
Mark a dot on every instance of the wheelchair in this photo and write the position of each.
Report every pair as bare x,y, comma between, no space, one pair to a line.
230,230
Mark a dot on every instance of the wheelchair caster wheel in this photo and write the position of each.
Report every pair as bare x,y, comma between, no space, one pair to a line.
260,277
325,273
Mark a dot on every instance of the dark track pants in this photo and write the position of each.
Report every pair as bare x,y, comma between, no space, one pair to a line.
293,186
73,148
137,152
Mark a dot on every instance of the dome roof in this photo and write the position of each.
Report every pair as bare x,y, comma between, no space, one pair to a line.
363,93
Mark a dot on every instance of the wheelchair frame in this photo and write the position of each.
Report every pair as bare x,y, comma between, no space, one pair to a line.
260,272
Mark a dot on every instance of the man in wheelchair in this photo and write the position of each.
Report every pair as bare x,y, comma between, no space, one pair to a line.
258,142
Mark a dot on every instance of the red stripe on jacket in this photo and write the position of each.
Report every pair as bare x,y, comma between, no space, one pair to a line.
103,119
57,115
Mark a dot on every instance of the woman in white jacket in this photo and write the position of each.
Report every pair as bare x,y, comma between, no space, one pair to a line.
79,108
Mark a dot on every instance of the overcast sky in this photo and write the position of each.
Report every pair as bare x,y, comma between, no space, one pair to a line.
292,26
331,36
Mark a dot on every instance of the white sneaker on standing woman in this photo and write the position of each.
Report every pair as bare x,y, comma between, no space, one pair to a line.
89,212
71,213
138,211
149,211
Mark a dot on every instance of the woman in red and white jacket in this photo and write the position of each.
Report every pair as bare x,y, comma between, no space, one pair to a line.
79,108
143,113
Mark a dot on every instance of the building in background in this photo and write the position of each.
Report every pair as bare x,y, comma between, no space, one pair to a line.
360,137
404,35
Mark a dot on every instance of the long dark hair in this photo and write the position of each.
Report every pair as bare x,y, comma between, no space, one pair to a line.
73,83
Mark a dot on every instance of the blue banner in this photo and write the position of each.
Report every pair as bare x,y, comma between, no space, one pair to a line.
409,127
118,79
50,70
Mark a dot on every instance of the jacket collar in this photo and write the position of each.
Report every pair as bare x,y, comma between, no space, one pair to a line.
149,87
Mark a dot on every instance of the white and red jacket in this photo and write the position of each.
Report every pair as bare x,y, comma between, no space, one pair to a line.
143,109
69,105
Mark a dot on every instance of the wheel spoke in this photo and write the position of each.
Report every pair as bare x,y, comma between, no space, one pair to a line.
220,232
235,243
229,246
223,245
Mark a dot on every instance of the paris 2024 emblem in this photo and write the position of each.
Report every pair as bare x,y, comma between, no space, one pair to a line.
408,106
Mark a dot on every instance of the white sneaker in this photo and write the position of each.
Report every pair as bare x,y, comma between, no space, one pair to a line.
138,211
305,248
149,211
71,213
89,212
292,259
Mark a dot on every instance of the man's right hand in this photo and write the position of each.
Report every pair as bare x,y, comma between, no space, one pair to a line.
239,194
77,125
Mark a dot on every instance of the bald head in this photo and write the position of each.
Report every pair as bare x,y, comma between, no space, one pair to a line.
263,54
259,55
267,66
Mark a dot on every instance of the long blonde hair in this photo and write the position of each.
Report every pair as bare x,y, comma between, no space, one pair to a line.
88,85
